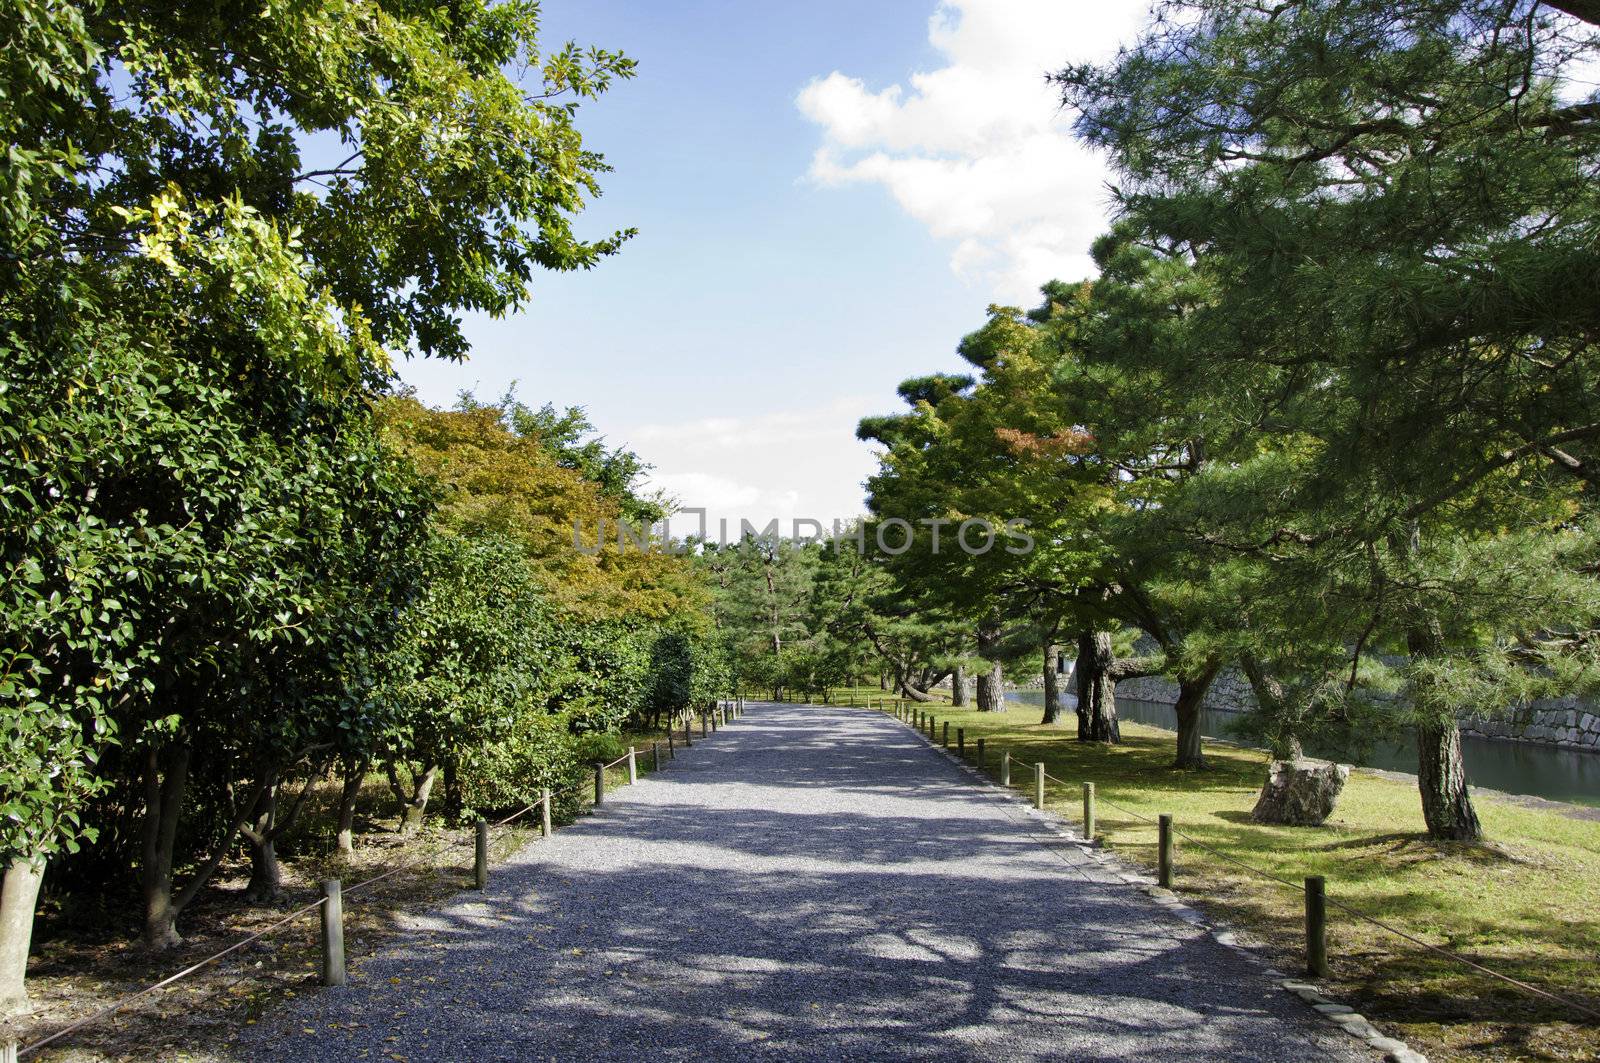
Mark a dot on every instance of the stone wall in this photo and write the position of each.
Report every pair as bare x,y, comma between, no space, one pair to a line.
1567,722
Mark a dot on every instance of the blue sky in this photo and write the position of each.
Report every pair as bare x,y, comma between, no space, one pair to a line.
828,196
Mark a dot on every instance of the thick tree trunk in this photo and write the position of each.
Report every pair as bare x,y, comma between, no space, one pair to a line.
1099,687
414,806
18,898
1441,774
958,686
1192,690
266,875
1052,689
991,681
353,778
163,805
1442,779
1081,675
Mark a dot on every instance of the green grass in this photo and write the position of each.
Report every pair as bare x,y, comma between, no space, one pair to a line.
1528,904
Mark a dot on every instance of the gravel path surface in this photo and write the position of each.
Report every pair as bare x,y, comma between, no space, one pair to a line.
810,883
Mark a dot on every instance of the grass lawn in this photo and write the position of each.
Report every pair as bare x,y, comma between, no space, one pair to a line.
1527,905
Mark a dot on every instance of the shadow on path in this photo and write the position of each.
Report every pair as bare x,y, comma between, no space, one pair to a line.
810,883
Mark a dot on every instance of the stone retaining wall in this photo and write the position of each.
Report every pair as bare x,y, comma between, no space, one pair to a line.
1566,722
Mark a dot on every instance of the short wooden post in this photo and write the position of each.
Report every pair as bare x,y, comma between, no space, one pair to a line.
1164,855
961,742
947,734
1316,926
655,756
480,855
599,783
1038,786
544,809
633,765
332,934
1088,811
980,752
1005,768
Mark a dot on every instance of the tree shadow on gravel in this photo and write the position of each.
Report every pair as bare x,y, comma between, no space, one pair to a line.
673,930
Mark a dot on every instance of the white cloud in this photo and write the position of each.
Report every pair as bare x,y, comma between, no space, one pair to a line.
803,463
979,150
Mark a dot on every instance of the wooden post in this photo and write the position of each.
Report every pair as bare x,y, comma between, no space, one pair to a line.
332,934
480,855
1088,811
961,742
947,734
655,756
980,752
1164,845
1005,768
1038,786
633,765
1316,926
599,784
544,808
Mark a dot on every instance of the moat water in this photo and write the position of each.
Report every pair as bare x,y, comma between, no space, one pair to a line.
1514,767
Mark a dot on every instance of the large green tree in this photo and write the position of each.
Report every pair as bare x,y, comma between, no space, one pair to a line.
198,294
1393,208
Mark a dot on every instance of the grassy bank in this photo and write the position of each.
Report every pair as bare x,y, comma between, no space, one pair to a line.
1527,905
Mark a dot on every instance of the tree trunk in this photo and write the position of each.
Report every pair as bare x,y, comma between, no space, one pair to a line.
413,806
1192,690
1283,722
1442,778
1100,690
1441,774
18,898
163,805
991,681
266,875
353,778
1081,675
958,686
1052,690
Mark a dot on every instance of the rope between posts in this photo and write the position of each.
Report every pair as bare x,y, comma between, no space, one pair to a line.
118,1005
1357,913
122,1003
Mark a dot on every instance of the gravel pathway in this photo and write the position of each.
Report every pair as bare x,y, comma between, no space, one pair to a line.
810,883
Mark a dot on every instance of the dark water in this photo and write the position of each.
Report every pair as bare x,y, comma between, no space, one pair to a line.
1514,767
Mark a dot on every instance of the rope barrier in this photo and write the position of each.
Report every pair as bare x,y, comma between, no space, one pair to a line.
118,1005
124,1002
1355,912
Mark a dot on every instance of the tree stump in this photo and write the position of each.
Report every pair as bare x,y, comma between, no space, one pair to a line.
1300,792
